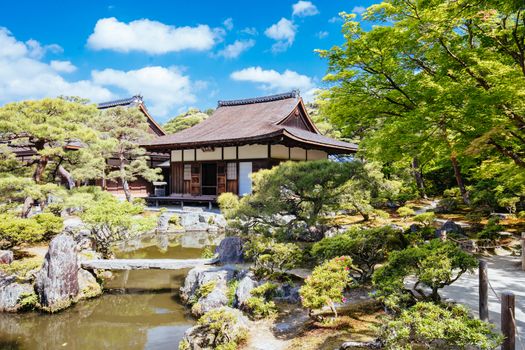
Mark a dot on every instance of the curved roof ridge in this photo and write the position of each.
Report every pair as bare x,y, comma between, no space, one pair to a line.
260,99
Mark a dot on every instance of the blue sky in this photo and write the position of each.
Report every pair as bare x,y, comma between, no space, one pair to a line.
177,54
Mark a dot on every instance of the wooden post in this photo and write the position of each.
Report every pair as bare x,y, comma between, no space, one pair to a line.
483,291
523,251
507,321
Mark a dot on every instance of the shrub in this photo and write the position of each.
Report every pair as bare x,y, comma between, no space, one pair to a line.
509,203
434,265
222,330
426,325
259,304
111,220
230,293
405,212
447,205
491,231
55,208
272,258
228,203
367,248
15,230
453,192
425,219
327,283
22,268
208,252
51,224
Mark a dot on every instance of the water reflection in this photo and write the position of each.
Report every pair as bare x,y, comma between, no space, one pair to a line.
138,311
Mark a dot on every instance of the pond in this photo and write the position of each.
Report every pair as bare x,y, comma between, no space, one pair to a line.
138,310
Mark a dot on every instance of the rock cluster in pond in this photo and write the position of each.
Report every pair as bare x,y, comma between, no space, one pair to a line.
57,282
12,292
191,292
203,337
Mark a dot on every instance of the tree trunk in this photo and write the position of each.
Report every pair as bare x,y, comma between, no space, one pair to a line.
67,176
28,203
40,168
459,178
418,176
125,184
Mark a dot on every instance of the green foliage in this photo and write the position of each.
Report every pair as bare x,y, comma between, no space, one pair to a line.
367,248
405,212
230,293
184,121
111,220
222,329
327,283
208,253
491,231
126,128
28,301
260,305
22,268
174,220
16,230
51,224
228,203
306,192
447,205
434,265
425,219
430,88
426,325
271,258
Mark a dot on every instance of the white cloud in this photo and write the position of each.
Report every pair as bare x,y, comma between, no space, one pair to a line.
63,66
273,81
163,88
235,49
36,50
335,19
24,76
149,36
250,31
228,23
304,8
359,9
283,32
322,34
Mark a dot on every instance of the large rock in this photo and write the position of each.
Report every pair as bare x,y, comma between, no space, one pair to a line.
163,222
6,257
11,293
57,281
199,276
230,251
87,285
451,227
204,337
244,289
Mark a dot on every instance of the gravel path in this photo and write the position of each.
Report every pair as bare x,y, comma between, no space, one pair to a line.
504,274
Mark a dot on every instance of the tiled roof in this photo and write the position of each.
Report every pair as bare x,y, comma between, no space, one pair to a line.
250,121
134,100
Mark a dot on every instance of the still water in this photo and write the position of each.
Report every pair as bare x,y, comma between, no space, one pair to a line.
139,309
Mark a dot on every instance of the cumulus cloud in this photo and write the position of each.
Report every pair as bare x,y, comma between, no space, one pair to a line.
149,36
304,9
24,76
164,88
228,23
322,34
235,49
335,19
63,66
283,32
359,9
272,81
250,31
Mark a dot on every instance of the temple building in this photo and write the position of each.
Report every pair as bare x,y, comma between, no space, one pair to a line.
240,138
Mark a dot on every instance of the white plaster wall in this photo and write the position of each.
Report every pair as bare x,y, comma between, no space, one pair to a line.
297,153
230,153
279,152
189,155
253,152
176,155
216,154
314,154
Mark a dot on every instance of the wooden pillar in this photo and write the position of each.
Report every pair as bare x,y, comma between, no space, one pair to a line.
507,321
483,291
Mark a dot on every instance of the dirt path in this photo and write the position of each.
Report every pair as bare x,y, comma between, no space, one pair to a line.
262,338
504,274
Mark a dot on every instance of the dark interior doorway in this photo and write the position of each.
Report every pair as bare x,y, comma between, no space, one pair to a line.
209,178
